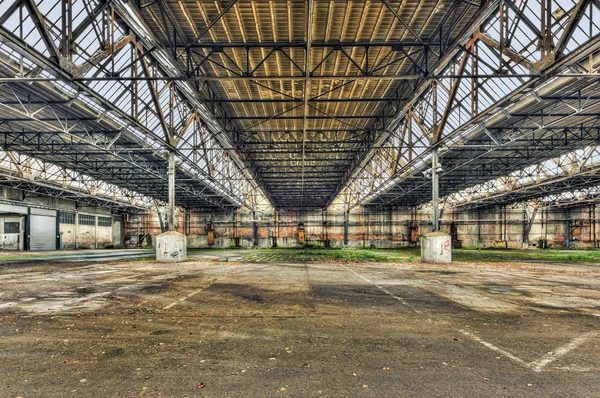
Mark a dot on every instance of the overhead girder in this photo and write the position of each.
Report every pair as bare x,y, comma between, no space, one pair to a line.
216,118
566,175
488,139
486,161
103,108
91,151
247,64
34,176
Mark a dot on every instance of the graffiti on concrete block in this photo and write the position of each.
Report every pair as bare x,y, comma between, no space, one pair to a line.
447,245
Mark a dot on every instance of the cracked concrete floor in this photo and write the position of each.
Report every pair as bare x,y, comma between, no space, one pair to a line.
239,329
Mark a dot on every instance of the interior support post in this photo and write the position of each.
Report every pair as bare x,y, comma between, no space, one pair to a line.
436,247
171,180
346,220
435,191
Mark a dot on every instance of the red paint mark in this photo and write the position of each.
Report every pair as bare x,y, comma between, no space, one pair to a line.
447,245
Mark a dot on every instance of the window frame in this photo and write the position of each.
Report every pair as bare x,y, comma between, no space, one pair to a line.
18,223
70,220
103,220
87,219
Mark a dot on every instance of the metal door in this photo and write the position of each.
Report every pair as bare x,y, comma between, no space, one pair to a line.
42,233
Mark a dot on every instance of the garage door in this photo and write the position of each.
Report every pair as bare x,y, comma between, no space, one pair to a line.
42,232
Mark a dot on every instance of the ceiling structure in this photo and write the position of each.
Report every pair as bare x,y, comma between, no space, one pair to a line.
513,116
300,104
68,116
305,83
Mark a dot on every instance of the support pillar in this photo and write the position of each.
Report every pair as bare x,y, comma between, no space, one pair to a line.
325,232
236,240
435,190
254,229
346,220
436,247
593,224
567,230
171,178
275,227
171,246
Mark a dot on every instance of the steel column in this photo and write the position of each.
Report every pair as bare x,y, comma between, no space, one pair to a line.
171,175
435,190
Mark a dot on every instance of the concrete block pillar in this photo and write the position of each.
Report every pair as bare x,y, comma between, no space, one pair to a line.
171,247
436,247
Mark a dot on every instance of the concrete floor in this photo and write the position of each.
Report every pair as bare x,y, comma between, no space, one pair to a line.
74,256
301,329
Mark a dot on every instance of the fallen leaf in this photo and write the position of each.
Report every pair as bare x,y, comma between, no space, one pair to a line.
282,389
485,379
201,385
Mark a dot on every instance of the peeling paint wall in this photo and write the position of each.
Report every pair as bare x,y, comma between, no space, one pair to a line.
104,237
9,240
68,233
117,234
501,226
498,227
86,236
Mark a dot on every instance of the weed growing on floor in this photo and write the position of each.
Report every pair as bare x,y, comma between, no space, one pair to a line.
326,254
412,254
534,255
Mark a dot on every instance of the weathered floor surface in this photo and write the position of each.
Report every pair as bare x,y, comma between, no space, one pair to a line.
276,329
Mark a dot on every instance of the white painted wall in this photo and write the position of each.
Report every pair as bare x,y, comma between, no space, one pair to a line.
12,241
